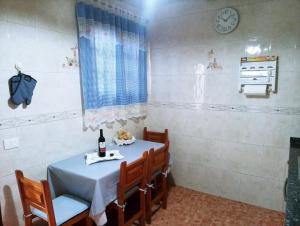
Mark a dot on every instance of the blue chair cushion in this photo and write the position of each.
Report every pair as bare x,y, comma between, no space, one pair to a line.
65,207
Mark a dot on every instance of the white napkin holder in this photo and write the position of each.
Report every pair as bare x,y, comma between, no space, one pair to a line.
258,75
93,157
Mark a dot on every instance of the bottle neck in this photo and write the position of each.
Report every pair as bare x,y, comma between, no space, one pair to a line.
101,133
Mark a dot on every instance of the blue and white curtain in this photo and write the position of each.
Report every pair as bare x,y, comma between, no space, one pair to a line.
113,60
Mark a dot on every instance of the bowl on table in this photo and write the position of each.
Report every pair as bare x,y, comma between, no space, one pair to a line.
124,138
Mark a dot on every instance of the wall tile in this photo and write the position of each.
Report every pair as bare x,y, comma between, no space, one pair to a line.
278,132
20,13
49,16
229,156
230,185
7,157
231,138
286,8
2,11
179,8
39,35
19,41
6,111
262,192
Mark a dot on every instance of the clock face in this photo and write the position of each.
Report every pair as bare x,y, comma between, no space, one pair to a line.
227,19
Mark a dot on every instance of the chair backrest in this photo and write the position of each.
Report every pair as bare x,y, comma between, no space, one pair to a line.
132,175
35,194
156,136
158,160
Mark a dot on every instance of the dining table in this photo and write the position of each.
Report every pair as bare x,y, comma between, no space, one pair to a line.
96,183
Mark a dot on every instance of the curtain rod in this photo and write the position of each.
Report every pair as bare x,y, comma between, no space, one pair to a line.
118,8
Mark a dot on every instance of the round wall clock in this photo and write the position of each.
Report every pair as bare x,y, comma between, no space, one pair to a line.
227,19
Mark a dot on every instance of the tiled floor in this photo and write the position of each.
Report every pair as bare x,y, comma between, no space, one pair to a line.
190,208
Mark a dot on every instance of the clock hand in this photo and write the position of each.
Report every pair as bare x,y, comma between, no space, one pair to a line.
225,19
228,18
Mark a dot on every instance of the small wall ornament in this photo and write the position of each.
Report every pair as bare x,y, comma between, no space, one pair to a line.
212,61
72,61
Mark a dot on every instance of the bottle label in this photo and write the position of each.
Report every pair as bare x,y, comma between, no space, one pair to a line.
102,146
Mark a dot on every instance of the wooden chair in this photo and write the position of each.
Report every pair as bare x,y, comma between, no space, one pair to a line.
157,193
132,181
156,136
64,210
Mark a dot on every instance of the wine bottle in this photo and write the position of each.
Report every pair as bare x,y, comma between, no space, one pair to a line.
101,145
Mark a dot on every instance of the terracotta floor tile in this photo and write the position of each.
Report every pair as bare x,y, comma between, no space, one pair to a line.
190,208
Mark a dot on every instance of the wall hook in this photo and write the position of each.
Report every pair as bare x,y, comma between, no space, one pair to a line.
17,67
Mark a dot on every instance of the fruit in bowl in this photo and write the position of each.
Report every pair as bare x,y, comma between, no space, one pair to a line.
124,138
124,135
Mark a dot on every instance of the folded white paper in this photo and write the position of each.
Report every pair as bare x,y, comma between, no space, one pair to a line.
93,157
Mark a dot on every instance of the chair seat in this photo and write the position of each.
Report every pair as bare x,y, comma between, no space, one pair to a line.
65,207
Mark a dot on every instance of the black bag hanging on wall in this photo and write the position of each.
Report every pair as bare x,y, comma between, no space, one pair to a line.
21,88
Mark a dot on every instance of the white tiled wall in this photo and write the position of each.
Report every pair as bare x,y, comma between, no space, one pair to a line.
39,34
235,154
239,153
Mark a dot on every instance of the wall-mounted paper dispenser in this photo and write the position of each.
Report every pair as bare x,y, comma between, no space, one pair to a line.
258,75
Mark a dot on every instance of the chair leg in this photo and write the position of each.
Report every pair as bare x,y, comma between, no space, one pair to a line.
165,195
142,208
164,203
142,221
148,206
89,221
121,218
28,221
